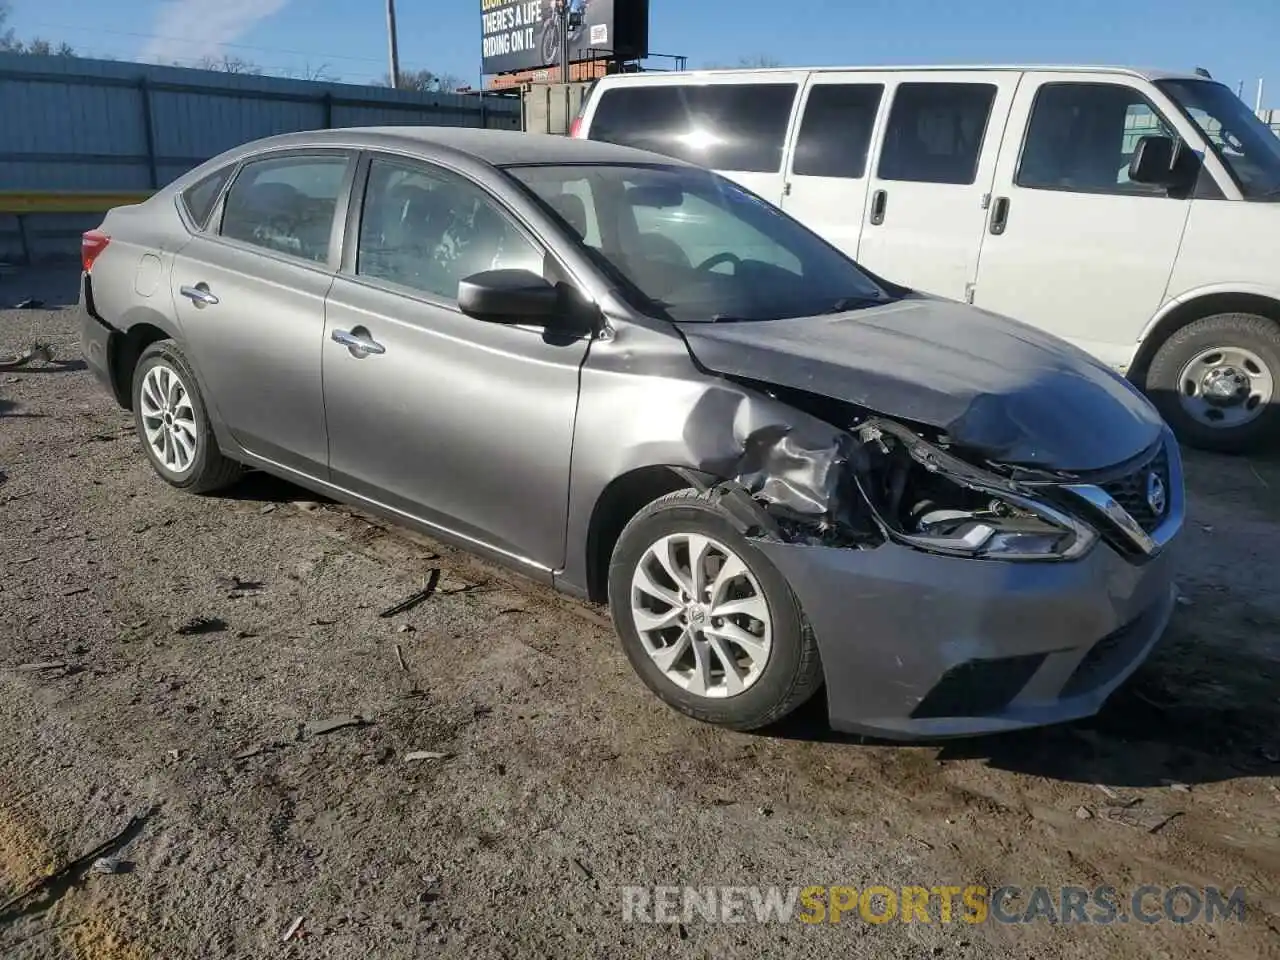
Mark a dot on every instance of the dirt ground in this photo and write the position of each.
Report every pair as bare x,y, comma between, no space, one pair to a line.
562,779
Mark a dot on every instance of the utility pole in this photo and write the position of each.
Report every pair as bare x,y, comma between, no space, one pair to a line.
1257,103
393,46
564,40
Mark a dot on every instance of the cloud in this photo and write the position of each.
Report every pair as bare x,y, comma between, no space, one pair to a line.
187,30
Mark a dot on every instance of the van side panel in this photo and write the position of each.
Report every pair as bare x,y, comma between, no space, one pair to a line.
1229,246
829,159
933,168
1084,253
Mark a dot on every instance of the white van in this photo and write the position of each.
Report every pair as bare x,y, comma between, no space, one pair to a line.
1132,212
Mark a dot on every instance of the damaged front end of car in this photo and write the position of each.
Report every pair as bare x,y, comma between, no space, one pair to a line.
880,481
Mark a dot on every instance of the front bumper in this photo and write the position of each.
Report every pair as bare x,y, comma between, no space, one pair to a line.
916,646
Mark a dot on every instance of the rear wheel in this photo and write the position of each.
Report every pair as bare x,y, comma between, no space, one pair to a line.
1217,382
708,623
172,423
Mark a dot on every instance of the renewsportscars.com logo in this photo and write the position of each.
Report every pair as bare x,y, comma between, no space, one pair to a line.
973,904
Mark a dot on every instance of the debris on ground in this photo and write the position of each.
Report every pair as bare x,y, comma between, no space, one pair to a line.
292,930
1137,815
408,603
1084,813
54,886
581,870
42,666
198,626
30,303
37,351
405,628
318,728
1176,786
400,656
250,753
425,755
111,865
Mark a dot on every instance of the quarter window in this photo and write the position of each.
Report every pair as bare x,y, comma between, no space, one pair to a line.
935,132
200,197
836,130
1081,137
427,229
286,204
725,126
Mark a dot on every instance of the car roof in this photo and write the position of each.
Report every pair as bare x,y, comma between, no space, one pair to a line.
1145,73
497,148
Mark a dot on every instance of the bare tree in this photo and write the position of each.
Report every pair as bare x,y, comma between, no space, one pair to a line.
9,42
226,64
423,81
757,61
322,73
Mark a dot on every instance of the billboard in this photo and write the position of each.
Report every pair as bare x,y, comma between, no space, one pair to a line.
525,34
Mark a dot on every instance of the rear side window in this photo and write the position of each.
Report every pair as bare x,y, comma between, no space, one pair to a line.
736,127
286,204
935,132
835,132
200,197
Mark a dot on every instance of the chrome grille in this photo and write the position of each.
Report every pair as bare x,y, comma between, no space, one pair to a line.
1130,491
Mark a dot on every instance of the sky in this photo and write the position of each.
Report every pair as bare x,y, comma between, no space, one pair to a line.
1236,40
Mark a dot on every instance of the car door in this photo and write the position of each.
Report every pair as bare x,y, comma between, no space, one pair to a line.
826,186
464,425
937,155
249,294
1072,245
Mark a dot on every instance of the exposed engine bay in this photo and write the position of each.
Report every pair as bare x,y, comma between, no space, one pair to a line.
882,481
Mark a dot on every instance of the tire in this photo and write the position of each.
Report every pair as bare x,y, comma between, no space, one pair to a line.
775,684
1257,335
204,469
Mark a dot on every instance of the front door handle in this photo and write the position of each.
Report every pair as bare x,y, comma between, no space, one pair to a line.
199,295
357,341
879,201
999,215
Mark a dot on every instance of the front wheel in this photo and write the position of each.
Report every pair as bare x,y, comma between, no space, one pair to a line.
708,623
1217,382
550,43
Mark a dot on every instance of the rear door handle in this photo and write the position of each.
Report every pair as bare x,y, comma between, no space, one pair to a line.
199,295
879,201
357,341
999,215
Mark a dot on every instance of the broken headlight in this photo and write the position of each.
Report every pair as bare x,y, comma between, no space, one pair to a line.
927,498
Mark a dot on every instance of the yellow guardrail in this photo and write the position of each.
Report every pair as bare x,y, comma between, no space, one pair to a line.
64,201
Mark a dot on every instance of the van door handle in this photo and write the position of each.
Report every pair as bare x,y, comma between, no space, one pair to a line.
999,215
357,341
879,200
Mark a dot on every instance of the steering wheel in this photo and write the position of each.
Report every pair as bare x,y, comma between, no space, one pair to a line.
714,261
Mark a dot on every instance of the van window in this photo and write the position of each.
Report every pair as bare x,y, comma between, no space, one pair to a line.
728,126
836,130
1081,137
935,132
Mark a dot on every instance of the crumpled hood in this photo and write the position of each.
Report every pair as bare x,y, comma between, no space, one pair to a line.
1005,390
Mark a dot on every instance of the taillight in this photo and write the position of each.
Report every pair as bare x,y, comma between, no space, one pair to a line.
92,243
575,128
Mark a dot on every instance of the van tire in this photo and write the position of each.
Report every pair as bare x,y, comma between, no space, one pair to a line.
1259,336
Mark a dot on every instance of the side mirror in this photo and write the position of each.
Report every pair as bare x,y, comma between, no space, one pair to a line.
1152,161
509,296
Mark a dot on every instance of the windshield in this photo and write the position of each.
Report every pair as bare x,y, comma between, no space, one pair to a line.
696,246
1246,144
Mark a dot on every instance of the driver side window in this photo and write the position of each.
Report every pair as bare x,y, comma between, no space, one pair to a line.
696,231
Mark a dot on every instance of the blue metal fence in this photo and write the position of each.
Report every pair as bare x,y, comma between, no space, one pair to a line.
100,125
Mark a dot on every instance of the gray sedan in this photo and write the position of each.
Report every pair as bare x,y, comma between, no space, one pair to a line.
636,381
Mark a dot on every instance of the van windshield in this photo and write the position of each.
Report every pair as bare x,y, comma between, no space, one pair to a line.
695,246
1246,144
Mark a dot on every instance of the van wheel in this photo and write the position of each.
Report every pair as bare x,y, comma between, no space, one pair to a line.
1217,382
708,623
